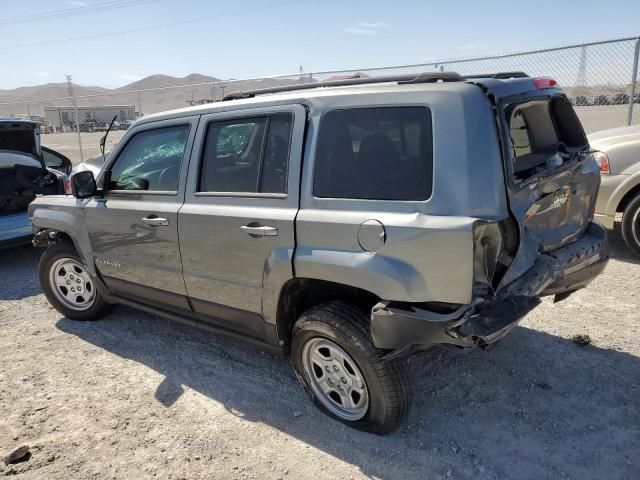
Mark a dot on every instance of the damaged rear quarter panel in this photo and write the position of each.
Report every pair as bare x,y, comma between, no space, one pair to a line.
429,249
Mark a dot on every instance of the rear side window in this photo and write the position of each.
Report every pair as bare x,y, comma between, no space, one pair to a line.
247,155
375,153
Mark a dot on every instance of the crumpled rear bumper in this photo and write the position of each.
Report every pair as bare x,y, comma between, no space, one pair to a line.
406,328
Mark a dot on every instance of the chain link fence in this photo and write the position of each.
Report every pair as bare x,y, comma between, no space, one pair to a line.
601,79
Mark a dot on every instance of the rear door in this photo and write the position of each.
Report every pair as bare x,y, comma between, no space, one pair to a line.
133,228
553,180
237,224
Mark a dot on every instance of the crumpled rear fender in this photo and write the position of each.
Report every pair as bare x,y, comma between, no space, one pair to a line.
383,276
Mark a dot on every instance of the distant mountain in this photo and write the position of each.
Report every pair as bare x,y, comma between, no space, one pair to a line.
49,90
39,96
159,81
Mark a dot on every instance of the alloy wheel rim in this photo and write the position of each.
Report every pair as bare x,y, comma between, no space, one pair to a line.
71,284
335,379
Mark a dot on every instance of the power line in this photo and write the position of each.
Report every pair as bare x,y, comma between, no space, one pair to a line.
153,27
69,12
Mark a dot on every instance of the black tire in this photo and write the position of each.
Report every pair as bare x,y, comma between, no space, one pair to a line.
631,225
387,382
97,310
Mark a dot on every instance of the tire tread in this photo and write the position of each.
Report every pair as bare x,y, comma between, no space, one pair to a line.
393,376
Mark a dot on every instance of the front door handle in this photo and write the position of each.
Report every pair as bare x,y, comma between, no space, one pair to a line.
259,230
155,221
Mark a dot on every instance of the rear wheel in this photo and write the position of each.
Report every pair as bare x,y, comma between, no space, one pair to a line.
343,371
68,286
631,225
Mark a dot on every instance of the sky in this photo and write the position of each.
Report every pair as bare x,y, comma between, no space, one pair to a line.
254,38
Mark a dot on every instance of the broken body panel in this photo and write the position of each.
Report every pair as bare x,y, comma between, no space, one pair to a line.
549,244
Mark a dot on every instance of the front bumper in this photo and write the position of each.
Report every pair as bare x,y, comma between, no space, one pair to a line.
405,329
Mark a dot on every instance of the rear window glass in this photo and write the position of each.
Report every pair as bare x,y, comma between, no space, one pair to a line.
375,153
540,128
18,138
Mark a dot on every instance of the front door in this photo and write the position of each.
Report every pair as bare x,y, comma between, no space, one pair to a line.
236,226
133,228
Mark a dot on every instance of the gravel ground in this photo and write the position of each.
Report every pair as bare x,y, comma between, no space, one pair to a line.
136,396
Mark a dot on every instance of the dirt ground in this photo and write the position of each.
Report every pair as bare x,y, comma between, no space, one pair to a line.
67,143
136,396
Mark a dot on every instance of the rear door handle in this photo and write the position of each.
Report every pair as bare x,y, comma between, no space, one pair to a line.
259,230
155,221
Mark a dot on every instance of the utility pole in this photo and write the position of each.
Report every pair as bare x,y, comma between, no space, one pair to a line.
581,77
75,111
634,79
223,87
139,104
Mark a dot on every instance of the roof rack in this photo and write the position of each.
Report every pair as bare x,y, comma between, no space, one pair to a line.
500,75
424,77
427,77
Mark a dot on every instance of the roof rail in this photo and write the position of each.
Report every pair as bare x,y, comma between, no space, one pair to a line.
500,75
425,77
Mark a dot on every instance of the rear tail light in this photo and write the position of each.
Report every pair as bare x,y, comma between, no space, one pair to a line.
603,162
67,187
544,82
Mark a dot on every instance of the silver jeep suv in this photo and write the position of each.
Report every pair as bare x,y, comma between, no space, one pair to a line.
348,223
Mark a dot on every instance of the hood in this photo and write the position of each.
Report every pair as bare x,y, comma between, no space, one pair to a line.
94,164
607,139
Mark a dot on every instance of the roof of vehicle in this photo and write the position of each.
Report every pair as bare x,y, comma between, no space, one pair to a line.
17,120
312,92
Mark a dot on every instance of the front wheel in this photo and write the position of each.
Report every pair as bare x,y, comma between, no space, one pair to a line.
68,286
631,225
343,371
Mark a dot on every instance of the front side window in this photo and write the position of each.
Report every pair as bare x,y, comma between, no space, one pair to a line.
247,155
151,160
375,153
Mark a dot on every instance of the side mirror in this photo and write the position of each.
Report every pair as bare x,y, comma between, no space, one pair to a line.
83,184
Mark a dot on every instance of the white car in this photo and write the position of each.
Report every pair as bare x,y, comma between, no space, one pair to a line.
27,169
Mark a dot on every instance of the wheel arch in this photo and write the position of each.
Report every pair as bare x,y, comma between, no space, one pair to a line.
628,197
65,225
300,294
